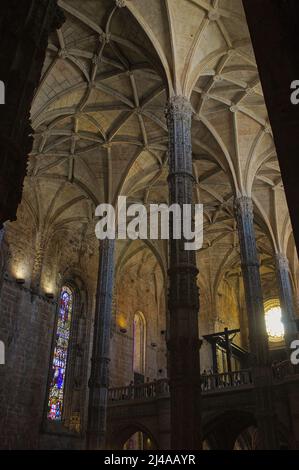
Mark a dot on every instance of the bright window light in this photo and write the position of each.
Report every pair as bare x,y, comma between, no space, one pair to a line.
274,325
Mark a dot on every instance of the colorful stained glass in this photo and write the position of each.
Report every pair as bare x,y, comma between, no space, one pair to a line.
56,395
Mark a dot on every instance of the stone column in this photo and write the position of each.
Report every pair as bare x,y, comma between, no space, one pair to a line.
38,261
258,338
24,30
183,304
286,298
1,235
99,377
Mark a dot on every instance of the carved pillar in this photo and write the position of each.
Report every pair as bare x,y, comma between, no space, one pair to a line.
99,377
40,248
286,298
3,257
1,235
258,338
183,304
24,30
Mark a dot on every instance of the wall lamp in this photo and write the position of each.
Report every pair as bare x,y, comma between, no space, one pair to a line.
123,330
20,281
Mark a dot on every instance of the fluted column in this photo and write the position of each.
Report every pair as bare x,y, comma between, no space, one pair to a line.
99,377
286,297
258,338
24,30
183,301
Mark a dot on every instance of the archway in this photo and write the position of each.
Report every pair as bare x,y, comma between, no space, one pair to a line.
222,432
133,437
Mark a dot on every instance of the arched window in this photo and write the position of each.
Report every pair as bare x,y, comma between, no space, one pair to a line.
139,344
274,325
60,356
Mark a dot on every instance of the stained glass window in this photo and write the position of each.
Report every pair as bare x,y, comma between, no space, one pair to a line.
57,383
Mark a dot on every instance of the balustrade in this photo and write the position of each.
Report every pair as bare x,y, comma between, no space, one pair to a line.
145,391
160,388
283,370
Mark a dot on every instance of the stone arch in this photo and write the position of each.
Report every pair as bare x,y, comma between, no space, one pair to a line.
119,436
238,421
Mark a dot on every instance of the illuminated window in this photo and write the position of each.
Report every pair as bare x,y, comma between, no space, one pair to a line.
59,363
274,325
139,343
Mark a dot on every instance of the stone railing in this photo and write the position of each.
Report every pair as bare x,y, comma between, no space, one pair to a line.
225,381
160,388
284,369
147,391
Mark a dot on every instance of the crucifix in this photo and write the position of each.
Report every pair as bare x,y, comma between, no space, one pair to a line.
224,337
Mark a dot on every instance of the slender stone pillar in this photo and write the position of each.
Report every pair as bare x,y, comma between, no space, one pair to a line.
24,30
258,338
3,256
183,343
99,377
37,268
1,235
286,298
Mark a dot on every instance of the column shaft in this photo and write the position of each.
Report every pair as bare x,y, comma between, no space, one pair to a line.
24,31
258,339
183,301
99,378
286,298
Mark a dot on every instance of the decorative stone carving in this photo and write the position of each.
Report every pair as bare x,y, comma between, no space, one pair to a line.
183,299
120,3
40,247
213,15
286,297
104,37
234,109
262,374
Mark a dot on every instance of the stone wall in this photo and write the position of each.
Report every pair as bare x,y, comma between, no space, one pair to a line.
26,327
139,293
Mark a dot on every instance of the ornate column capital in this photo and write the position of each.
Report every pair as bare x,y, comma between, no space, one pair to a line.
244,205
178,106
282,261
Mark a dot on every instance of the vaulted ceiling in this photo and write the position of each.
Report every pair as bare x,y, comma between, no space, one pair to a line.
100,129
